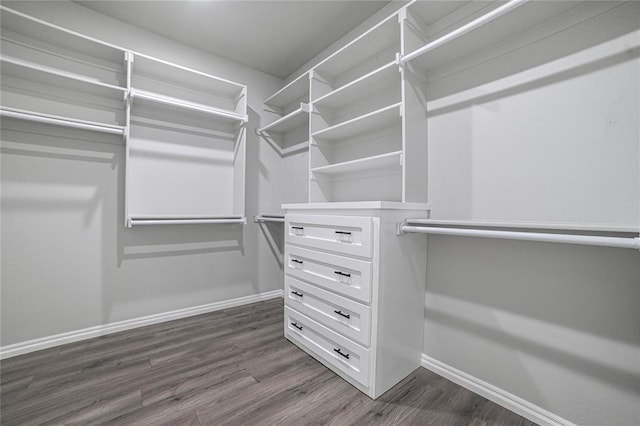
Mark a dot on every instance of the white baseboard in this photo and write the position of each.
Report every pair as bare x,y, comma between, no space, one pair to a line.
499,396
114,327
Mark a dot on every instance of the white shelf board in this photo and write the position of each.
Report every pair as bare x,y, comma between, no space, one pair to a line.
360,87
293,120
183,104
296,90
390,159
54,35
57,120
188,78
529,225
381,118
527,15
357,205
367,45
30,71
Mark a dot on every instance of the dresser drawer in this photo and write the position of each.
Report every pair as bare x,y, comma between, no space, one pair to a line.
334,349
344,275
342,234
349,318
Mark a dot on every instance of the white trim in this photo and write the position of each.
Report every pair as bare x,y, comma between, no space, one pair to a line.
500,396
115,327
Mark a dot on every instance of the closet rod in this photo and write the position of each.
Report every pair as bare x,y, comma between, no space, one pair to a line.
61,121
267,218
476,23
185,221
590,240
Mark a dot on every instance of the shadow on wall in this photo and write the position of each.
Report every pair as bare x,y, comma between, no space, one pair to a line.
572,307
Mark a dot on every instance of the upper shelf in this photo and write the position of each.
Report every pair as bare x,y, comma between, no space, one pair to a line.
31,39
369,44
361,87
296,91
25,70
390,159
459,36
379,119
293,120
184,104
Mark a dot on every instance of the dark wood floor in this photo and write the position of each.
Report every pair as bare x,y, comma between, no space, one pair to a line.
227,367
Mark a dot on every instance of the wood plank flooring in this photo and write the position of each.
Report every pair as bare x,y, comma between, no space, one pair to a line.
231,367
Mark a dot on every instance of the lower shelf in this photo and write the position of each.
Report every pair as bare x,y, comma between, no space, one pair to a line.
390,159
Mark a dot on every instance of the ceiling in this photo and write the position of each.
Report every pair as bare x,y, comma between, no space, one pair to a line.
276,37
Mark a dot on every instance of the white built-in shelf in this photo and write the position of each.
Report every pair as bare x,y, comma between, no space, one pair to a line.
376,120
181,103
556,226
382,36
56,46
390,159
357,205
183,79
46,75
470,30
296,91
295,119
365,85
60,121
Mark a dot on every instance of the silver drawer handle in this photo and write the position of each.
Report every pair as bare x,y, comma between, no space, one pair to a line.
299,327
343,232
297,294
297,261
342,274
341,353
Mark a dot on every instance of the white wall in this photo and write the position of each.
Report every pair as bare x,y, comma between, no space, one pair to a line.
549,132
67,260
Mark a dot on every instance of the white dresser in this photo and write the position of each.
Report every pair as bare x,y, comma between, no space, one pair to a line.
354,291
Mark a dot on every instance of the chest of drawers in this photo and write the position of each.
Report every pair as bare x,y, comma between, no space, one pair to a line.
354,293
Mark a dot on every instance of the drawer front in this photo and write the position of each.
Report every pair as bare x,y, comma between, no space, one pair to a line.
344,275
349,318
342,234
336,350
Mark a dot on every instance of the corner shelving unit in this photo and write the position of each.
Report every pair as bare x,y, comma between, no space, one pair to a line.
181,127
289,132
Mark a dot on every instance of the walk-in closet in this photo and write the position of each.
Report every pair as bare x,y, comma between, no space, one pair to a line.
421,212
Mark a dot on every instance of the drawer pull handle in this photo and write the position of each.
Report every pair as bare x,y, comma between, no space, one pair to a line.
300,228
341,353
343,232
343,314
297,294
295,324
343,274
297,261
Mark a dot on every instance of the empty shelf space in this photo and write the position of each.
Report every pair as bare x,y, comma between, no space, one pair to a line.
293,120
61,121
183,78
46,75
361,87
181,103
381,118
391,159
369,44
297,90
507,21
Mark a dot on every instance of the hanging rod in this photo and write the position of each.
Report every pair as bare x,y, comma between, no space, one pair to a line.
589,240
268,218
476,23
177,220
60,121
